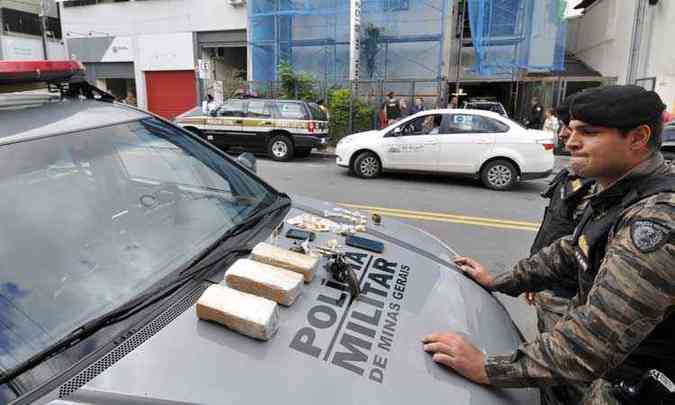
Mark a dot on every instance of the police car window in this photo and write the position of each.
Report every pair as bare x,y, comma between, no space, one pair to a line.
293,111
97,217
258,109
232,108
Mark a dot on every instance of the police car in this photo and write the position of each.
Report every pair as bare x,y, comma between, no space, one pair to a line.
475,143
115,221
281,128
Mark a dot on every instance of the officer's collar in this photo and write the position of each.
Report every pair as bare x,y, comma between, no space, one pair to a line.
624,184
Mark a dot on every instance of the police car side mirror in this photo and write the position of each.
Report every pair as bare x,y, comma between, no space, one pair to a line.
213,113
247,160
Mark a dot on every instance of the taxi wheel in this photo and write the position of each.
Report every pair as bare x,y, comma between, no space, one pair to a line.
499,175
367,165
280,148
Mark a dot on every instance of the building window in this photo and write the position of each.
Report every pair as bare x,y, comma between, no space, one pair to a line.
20,22
396,5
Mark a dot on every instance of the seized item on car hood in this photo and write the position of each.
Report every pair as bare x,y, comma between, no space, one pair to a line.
343,272
244,313
311,222
263,280
276,256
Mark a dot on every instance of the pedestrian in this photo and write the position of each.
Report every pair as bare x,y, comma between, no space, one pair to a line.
322,107
418,106
535,118
454,102
551,123
208,105
621,322
403,107
392,109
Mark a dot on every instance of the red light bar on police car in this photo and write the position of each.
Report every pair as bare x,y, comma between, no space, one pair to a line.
15,72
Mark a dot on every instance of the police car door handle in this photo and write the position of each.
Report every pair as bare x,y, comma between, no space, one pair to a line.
267,123
482,141
238,121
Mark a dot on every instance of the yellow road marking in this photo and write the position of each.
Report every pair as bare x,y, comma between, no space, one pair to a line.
459,219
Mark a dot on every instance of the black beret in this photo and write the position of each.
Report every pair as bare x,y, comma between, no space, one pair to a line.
563,110
627,106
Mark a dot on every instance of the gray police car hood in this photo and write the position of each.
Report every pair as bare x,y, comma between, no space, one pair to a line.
326,350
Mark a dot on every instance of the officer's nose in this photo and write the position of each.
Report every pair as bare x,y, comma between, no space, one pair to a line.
573,142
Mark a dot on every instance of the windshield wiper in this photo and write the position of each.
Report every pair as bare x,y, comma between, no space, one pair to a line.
151,297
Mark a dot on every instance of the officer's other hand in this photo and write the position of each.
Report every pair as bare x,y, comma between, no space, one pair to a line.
475,270
529,297
456,352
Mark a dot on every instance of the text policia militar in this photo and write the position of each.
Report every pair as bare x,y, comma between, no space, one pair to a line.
358,336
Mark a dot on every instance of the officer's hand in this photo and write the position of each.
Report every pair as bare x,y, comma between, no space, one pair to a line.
475,270
457,353
529,297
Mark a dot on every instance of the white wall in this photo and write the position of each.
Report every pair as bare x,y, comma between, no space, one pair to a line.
153,17
160,31
602,37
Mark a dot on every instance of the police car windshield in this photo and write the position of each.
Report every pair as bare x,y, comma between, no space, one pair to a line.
92,219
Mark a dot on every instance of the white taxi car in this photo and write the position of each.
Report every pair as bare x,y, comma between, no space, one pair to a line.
477,143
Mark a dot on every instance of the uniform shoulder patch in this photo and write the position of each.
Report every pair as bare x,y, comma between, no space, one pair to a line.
648,236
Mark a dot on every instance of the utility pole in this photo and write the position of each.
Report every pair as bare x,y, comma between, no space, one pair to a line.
462,14
43,27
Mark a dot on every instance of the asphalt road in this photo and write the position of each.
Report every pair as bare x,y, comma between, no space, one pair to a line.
496,228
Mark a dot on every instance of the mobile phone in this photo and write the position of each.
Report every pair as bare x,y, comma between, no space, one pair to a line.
300,234
365,244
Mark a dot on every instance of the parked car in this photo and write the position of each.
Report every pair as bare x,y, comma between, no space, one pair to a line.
668,142
281,128
114,221
487,105
476,143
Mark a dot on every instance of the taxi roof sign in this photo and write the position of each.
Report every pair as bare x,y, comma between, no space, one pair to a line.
21,72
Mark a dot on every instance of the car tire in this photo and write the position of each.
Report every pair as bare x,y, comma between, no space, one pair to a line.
303,153
367,165
280,148
499,175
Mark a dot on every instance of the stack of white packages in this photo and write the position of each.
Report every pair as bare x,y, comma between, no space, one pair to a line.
245,313
265,281
248,304
297,262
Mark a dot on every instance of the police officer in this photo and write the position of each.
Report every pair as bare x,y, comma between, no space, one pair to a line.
566,193
621,323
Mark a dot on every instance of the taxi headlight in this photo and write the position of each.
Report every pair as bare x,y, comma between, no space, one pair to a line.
345,141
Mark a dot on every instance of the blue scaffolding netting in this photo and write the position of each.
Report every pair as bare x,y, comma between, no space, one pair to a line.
400,38
513,35
404,39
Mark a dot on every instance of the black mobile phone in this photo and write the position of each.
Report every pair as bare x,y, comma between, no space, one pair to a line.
300,234
365,244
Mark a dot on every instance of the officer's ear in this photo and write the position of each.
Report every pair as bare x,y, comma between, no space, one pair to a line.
639,137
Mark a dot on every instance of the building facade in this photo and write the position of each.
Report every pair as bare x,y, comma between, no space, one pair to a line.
630,41
21,30
156,53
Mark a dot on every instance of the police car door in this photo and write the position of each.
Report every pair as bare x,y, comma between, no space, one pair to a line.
226,127
409,147
465,140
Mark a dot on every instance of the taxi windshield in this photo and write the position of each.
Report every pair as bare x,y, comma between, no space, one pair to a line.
92,219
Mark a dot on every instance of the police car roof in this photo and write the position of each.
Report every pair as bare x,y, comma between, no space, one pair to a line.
65,115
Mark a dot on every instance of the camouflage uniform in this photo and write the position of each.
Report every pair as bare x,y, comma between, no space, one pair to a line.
621,321
566,193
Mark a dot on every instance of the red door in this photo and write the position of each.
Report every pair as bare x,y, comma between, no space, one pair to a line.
171,93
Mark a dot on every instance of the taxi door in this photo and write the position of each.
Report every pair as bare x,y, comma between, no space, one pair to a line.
408,147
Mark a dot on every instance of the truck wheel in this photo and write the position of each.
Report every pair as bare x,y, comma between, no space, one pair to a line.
499,175
367,165
280,148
